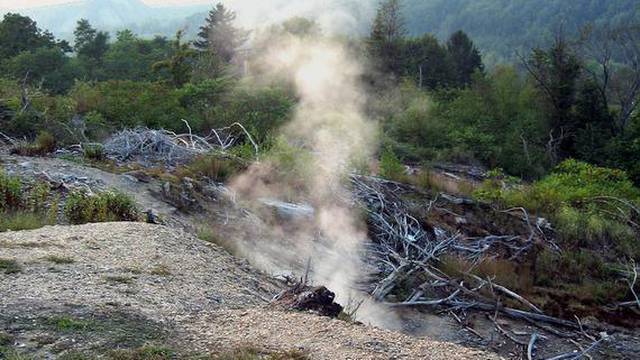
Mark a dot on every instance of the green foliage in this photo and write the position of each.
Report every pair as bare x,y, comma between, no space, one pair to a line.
94,152
498,121
10,192
68,324
46,67
391,167
261,110
290,161
387,35
179,64
91,46
219,37
465,57
206,233
214,166
577,183
131,58
144,353
591,207
82,208
504,27
9,266
130,104
22,220
45,143
19,33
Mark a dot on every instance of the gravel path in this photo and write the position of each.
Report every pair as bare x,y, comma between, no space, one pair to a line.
145,280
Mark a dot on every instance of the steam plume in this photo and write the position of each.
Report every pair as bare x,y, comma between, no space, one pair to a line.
331,123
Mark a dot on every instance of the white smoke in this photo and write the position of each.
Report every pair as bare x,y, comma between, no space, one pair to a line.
331,123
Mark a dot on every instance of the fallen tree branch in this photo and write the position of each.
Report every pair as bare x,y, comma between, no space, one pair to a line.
531,346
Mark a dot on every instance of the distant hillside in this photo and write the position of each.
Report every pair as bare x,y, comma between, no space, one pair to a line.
499,27
502,26
113,15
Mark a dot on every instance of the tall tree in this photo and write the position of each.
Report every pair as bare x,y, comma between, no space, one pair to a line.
556,72
387,34
219,36
20,33
180,64
426,61
90,43
614,69
464,56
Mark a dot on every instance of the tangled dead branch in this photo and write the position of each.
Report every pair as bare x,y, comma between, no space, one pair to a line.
7,139
166,146
406,251
155,145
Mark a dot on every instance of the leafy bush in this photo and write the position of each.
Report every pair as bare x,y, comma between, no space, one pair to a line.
94,152
130,104
9,266
213,166
391,167
10,192
82,208
45,143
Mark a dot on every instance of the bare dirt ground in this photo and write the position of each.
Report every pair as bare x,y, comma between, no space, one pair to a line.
116,285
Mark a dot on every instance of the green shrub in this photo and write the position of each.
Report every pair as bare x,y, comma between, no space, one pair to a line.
82,208
94,152
9,266
391,167
212,166
10,192
129,104
22,220
144,353
44,144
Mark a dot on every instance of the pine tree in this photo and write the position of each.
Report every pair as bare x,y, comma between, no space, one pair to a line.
90,43
464,56
386,39
219,36
180,64
84,33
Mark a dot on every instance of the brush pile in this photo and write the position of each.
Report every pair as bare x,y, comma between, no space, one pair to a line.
155,145
413,236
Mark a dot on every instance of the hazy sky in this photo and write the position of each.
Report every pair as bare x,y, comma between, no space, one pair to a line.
17,4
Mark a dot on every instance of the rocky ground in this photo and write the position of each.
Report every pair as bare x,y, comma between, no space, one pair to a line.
88,289
98,287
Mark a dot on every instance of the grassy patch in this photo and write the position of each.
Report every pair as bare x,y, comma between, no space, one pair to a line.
5,338
252,353
82,208
74,356
68,324
11,354
9,266
60,260
22,220
44,144
214,166
143,353
94,152
206,233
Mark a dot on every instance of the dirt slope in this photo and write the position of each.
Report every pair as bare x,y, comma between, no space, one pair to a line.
117,285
